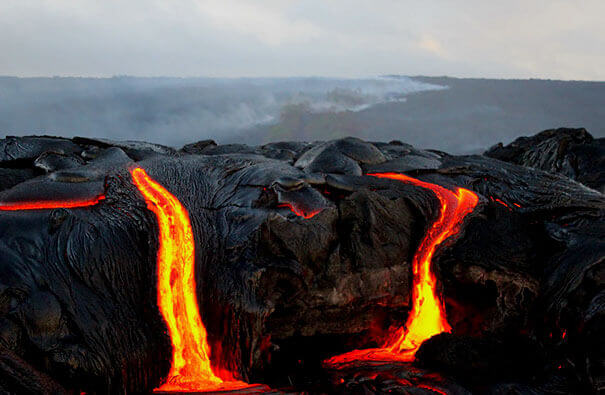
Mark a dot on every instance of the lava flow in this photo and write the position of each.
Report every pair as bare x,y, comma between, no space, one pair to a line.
50,204
427,316
191,369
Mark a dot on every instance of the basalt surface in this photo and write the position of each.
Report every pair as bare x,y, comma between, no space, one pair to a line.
299,256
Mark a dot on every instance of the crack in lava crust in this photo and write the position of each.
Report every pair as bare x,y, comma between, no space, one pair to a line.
427,317
191,369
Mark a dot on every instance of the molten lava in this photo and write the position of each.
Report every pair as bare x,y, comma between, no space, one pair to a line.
427,316
50,204
300,212
433,389
191,369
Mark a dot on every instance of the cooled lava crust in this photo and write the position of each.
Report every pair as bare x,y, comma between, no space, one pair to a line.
301,256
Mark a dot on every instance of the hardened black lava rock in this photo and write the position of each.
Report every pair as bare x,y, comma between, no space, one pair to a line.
523,280
571,152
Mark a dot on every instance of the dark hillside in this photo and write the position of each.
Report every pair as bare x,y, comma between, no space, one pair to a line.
471,114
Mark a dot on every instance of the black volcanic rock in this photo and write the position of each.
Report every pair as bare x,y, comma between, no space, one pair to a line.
278,293
571,152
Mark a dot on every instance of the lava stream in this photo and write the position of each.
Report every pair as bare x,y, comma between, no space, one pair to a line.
191,369
427,316
50,204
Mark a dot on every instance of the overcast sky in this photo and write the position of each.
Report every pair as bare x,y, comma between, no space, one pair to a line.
348,38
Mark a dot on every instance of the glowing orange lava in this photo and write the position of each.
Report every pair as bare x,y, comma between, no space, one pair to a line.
427,316
50,204
191,369
300,213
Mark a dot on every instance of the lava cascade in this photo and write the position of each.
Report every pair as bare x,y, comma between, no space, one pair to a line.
427,317
191,369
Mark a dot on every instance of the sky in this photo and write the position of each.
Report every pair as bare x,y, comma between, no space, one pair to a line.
551,39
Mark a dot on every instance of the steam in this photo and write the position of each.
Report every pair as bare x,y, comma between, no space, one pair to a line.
175,111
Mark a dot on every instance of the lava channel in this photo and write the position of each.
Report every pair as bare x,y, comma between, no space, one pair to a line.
191,369
427,317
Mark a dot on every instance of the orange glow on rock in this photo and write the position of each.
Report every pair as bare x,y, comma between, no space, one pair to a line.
298,212
501,202
433,389
427,317
50,204
191,369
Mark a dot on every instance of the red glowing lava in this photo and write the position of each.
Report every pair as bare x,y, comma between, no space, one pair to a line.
300,213
433,389
50,204
427,316
191,369
501,202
